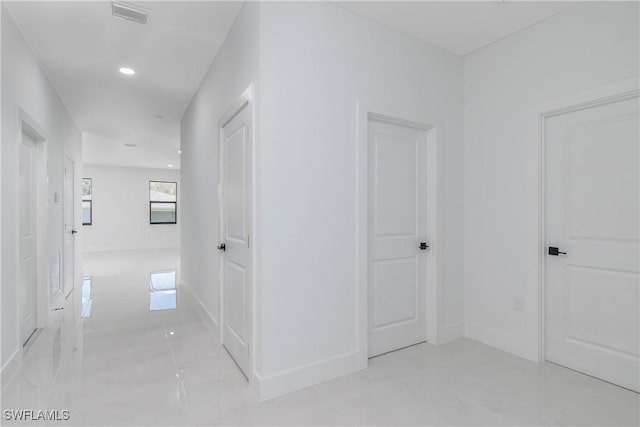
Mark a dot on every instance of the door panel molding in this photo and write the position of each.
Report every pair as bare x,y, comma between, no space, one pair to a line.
534,344
68,213
436,331
242,239
591,171
28,125
398,216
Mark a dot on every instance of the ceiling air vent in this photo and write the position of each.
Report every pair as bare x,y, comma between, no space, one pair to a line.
130,145
128,12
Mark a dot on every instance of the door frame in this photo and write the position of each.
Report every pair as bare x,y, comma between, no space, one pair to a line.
534,345
28,125
434,278
245,100
65,291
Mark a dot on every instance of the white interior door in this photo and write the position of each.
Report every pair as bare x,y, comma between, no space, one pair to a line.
236,230
69,226
397,227
28,265
592,292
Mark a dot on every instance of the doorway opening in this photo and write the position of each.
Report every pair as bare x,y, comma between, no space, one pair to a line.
33,295
399,233
584,263
69,247
236,229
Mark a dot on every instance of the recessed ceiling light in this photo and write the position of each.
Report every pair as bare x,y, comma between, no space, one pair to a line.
170,166
127,71
179,151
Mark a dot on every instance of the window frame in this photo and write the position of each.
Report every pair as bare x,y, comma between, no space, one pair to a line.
90,204
175,221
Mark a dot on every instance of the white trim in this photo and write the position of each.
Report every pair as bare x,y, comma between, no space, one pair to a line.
27,124
435,330
11,368
245,100
534,342
274,385
208,318
98,249
510,343
65,291
451,332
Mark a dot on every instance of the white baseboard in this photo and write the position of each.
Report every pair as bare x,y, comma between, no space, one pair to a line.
498,339
201,309
274,385
93,249
11,368
451,332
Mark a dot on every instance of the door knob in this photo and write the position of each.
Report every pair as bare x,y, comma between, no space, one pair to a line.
423,246
222,247
555,251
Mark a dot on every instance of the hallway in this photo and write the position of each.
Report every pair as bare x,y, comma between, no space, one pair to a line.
128,365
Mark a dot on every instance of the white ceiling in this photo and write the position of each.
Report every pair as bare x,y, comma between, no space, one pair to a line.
458,26
81,46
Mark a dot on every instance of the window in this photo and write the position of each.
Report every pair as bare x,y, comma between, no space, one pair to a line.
87,203
163,202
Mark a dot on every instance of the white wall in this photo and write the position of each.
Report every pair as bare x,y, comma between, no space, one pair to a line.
109,150
233,70
588,45
25,85
317,61
308,86
121,210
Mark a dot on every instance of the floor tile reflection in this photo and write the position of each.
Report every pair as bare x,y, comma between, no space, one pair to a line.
162,290
87,297
124,363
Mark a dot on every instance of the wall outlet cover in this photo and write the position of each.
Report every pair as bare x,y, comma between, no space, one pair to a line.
518,304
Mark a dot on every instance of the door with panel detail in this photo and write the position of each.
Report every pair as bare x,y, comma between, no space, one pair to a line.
28,273
592,287
397,226
236,231
69,226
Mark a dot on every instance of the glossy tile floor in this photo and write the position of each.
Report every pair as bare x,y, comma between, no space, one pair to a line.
127,365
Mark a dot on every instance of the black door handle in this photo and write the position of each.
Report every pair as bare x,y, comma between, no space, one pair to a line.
555,251
423,246
222,247
74,231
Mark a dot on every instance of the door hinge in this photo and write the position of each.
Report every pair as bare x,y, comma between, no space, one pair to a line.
248,236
